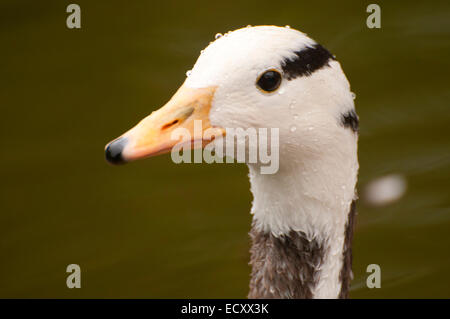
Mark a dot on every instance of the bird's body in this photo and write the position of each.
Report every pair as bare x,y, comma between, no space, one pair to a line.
273,77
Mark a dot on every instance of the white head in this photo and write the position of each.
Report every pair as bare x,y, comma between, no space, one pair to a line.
234,62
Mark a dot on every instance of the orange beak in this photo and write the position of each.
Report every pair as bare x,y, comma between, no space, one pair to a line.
157,133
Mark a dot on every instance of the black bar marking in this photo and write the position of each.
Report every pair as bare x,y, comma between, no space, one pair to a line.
350,120
306,62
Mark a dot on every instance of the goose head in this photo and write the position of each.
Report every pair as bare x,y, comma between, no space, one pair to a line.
271,77
254,77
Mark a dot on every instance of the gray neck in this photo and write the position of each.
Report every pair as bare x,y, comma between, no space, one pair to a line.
288,266
285,266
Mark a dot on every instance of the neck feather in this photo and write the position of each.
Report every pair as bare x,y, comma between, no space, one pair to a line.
289,266
302,230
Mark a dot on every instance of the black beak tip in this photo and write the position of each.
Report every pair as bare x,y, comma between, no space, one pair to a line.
113,152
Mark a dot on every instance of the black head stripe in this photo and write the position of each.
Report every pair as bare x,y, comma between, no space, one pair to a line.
306,61
350,120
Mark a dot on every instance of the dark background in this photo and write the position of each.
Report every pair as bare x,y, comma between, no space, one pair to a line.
155,229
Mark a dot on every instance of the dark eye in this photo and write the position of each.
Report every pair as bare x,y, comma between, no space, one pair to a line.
269,81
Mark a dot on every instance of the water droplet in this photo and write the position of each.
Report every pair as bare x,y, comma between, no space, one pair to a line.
287,26
188,73
310,128
296,117
293,128
218,35
201,52
292,104
353,95
249,26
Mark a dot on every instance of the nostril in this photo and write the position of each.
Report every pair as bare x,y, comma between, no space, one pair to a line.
166,126
113,152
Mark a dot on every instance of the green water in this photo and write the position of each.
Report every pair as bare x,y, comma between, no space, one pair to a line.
157,229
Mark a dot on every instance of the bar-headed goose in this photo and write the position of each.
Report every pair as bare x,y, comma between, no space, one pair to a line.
303,215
